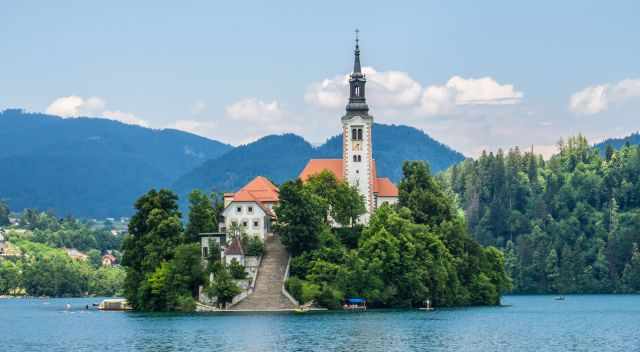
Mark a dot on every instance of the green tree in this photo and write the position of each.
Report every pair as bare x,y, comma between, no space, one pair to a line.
10,277
95,258
301,217
420,192
154,231
631,274
107,281
237,270
202,216
4,213
223,288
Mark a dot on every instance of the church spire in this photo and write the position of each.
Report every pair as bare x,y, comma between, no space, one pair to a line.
357,101
356,63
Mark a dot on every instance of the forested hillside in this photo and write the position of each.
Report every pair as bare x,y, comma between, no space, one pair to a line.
90,167
570,224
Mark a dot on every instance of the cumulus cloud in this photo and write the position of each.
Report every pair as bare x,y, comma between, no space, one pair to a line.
386,89
460,91
75,106
255,110
394,90
594,99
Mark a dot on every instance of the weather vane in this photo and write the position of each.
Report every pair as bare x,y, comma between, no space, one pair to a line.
357,31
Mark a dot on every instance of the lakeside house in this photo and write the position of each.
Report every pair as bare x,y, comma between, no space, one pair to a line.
251,208
76,254
109,260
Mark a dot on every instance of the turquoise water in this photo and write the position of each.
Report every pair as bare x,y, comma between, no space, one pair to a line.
529,323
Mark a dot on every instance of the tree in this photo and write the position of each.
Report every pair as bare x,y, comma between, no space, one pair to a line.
223,288
107,281
95,258
301,217
4,213
9,277
631,274
237,270
154,231
420,193
202,216
344,202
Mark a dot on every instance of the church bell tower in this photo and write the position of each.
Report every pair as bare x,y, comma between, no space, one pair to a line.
356,143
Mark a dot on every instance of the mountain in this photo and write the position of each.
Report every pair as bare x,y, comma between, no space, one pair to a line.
282,157
90,167
617,143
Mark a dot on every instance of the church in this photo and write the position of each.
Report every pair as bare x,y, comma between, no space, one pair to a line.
357,166
252,207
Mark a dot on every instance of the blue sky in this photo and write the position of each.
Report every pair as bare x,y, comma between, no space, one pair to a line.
475,75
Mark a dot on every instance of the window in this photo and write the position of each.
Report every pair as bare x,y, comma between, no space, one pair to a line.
356,134
239,210
250,209
245,223
256,223
357,91
357,158
205,252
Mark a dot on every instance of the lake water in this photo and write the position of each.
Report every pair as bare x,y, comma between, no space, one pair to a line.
528,323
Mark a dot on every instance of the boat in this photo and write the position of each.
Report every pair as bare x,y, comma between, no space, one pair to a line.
559,298
355,304
116,304
427,306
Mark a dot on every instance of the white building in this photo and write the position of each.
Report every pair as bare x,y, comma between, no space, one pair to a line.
251,208
357,166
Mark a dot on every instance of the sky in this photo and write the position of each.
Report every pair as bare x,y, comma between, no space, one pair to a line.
473,75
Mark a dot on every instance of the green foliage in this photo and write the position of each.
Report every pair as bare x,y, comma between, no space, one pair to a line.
344,203
55,275
107,281
223,288
301,217
4,213
252,246
631,274
154,232
67,233
403,257
203,214
237,270
9,277
420,192
567,224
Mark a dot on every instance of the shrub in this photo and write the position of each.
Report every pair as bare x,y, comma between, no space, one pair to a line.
236,270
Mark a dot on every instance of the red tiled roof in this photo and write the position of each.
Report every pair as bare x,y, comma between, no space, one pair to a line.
385,188
260,191
316,166
234,248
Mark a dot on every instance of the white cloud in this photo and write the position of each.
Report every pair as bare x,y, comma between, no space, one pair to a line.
460,91
396,90
255,110
387,89
594,99
75,106
124,117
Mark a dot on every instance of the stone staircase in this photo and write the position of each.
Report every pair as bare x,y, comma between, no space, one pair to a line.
267,294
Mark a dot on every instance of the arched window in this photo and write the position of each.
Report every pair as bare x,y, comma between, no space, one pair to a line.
359,134
354,134
357,91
